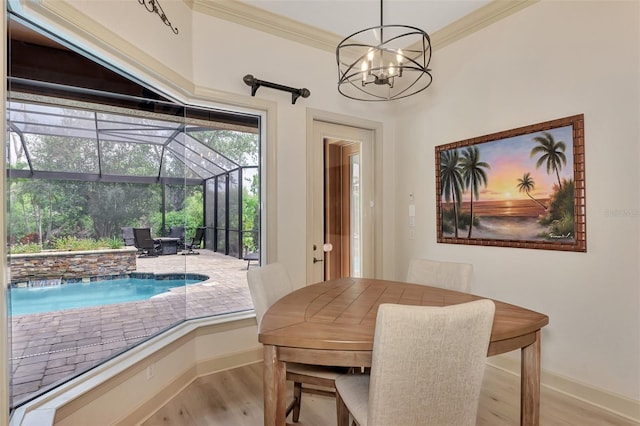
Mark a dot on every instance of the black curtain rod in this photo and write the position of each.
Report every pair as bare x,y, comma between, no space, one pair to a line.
255,85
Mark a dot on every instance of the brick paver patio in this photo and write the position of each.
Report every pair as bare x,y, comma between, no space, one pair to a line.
48,348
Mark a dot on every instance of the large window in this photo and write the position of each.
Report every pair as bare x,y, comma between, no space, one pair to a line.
89,155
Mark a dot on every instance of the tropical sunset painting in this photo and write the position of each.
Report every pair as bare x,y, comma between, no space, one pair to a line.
517,188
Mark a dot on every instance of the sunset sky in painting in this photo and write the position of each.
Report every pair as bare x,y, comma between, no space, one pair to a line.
510,160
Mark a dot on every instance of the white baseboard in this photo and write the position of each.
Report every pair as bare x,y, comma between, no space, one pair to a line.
617,404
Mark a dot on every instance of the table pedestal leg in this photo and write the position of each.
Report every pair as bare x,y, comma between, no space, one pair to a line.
274,381
530,384
343,411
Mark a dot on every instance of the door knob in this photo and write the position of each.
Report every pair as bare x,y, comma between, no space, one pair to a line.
317,260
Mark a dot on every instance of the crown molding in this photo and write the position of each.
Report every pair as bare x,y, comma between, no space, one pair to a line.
477,20
262,20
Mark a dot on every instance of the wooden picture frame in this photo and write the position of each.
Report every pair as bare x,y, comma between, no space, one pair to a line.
523,187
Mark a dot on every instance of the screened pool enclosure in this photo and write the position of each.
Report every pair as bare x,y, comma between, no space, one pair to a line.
129,161
88,151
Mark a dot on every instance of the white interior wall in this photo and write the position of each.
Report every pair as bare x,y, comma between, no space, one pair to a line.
550,60
116,21
220,64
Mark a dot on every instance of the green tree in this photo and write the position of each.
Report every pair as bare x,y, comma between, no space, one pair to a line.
526,184
194,211
43,207
242,148
131,159
47,209
251,215
473,175
191,216
551,153
62,153
114,205
451,181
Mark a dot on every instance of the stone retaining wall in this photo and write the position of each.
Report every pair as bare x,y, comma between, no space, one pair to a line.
71,265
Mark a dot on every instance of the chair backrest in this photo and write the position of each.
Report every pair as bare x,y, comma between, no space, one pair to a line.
267,284
177,232
197,239
127,236
449,275
142,237
428,363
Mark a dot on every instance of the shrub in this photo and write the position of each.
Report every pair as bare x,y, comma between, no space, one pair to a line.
78,244
72,244
111,243
25,248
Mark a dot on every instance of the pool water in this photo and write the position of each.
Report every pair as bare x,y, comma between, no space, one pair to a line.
31,300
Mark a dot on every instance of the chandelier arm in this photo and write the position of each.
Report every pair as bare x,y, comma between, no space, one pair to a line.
383,98
379,97
397,96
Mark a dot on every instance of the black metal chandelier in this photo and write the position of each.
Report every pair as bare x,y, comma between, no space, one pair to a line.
384,63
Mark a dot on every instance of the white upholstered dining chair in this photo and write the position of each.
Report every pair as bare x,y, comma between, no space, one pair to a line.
267,284
427,367
450,275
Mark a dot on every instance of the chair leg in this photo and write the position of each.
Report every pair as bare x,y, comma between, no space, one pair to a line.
342,410
297,394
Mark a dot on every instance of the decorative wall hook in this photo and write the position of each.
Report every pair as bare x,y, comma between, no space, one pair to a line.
154,7
250,80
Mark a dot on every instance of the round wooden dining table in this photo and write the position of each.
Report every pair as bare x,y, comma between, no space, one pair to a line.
333,322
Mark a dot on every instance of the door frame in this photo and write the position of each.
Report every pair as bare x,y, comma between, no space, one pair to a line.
315,117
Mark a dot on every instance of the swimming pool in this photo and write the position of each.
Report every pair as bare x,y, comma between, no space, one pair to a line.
31,300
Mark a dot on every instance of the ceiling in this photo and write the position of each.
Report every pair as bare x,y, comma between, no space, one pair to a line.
322,24
344,17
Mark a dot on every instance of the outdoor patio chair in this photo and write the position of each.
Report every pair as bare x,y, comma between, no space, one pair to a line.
127,236
144,243
177,232
254,256
195,243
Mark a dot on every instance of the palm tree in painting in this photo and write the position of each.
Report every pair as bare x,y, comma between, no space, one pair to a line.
473,175
526,184
451,181
552,153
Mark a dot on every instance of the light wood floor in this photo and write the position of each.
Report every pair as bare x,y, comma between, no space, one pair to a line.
234,397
